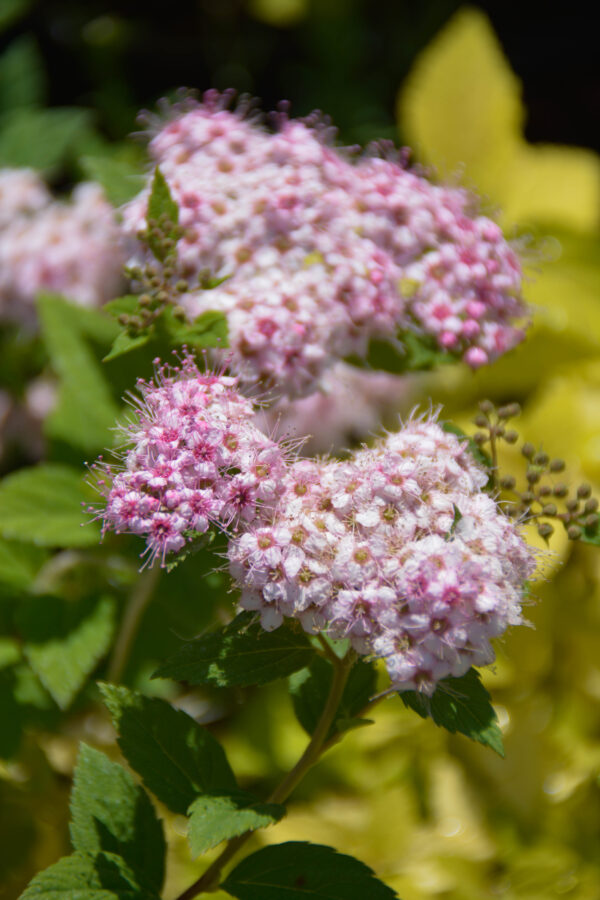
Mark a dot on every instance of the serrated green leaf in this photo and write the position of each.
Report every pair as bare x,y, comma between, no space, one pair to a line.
85,411
111,813
21,75
176,757
43,505
20,562
80,877
64,641
298,870
242,653
216,818
310,688
120,178
41,139
161,205
460,704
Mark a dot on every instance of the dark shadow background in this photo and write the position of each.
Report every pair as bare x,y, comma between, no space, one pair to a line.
347,57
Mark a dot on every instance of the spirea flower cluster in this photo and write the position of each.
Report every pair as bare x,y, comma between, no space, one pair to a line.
324,252
71,248
396,548
196,460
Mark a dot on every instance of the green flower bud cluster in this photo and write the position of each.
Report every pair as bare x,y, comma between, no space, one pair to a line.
541,499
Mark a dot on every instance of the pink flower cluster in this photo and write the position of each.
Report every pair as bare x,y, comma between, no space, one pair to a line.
45,245
396,548
323,253
196,460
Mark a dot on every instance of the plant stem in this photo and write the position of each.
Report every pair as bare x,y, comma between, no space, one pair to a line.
136,606
318,743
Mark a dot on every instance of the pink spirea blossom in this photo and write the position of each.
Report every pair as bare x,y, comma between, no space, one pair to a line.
195,460
323,253
71,248
396,549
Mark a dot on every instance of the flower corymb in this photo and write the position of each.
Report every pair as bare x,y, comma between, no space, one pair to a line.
323,252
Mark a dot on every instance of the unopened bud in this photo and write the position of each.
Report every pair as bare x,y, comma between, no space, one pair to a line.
572,505
179,312
560,490
541,459
528,450
486,406
527,496
591,521
508,482
545,530
583,491
557,465
123,319
182,286
481,421
480,438
591,505
549,509
533,476
544,490
511,437
574,532
144,299
509,411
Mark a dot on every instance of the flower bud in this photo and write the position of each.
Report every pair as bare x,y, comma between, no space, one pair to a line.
528,450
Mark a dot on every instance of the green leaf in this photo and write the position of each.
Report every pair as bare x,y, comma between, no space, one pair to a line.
162,208
11,10
41,139
111,813
125,342
85,411
118,306
216,818
19,563
21,75
208,330
120,178
460,704
176,757
81,877
242,653
310,688
298,870
42,505
65,640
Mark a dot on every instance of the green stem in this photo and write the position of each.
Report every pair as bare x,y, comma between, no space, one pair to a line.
318,743
136,606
